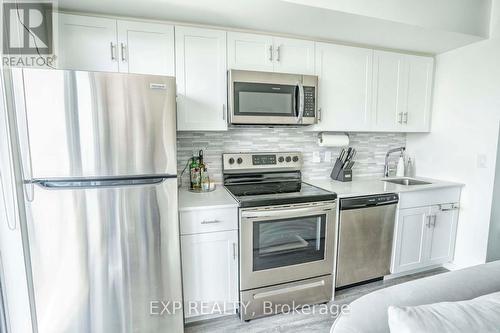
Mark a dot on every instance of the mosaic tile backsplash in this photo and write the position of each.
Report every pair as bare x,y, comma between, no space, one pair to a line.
371,148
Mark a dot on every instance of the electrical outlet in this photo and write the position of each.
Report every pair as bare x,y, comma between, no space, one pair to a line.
316,157
328,156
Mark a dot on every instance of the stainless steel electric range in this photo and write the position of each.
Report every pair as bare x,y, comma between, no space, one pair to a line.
286,233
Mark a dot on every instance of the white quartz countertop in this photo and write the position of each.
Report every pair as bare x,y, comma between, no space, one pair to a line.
220,198
360,187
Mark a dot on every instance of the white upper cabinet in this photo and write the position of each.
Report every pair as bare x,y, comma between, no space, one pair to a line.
402,92
146,48
267,53
345,84
418,107
201,79
365,90
101,44
388,90
293,56
250,51
87,43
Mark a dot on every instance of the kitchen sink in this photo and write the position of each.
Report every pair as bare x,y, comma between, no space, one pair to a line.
406,181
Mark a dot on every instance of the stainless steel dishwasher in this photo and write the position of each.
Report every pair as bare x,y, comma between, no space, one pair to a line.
366,229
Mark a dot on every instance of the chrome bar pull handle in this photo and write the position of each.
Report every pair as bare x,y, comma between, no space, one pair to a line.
428,223
234,251
319,114
123,51
113,51
223,111
406,118
434,218
270,53
210,221
278,54
400,115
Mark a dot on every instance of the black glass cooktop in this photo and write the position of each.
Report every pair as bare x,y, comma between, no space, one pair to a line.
277,193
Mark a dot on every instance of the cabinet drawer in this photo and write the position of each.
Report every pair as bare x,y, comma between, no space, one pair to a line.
208,220
429,197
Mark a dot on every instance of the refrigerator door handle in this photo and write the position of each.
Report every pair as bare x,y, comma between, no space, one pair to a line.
95,182
16,100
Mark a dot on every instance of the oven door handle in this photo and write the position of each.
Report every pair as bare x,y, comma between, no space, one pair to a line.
285,212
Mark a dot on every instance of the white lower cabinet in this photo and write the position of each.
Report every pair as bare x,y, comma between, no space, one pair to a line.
209,263
441,246
410,239
424,236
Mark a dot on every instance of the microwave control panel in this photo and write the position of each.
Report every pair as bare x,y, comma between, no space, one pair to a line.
309,101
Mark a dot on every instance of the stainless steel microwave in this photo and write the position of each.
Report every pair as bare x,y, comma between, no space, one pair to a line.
263,98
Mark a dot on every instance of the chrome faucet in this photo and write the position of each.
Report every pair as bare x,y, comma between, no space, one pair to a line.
386,165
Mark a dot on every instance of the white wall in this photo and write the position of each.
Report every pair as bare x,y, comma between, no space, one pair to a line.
465,125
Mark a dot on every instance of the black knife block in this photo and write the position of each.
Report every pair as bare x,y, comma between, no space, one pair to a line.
340,174
344,176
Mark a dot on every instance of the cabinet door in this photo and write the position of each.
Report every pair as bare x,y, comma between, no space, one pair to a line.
441,240
87,43
146,48
249,51
416,117
200,56
411,233
345,87
293,56
389,91
209,268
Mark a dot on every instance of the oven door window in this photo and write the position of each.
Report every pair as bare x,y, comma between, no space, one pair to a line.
286,242
260,99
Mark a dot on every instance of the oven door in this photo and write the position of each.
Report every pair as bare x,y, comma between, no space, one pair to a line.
286,243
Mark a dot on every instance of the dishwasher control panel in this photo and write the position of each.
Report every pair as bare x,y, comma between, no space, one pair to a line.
368,201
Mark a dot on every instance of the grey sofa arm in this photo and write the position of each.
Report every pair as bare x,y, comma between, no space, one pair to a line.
369,313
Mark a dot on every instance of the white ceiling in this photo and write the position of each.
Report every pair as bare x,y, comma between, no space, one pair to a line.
382,28
463,16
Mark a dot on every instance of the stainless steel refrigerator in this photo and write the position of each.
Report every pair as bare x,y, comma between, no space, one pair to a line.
95,155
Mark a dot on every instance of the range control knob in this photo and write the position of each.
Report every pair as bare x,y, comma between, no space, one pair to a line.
231,160
288,158
281,159
239,160
295,158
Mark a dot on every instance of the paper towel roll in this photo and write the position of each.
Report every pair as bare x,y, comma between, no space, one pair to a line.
333,140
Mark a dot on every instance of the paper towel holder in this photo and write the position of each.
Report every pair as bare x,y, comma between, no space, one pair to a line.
320,136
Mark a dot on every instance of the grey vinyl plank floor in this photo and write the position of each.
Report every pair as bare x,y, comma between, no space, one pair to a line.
299,322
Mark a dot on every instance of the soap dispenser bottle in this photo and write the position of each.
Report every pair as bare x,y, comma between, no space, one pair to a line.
400,170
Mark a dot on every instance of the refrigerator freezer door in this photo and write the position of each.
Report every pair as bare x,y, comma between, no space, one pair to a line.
101,255
94,124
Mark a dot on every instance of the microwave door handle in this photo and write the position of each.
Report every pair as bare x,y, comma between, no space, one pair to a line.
300,111
294,101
